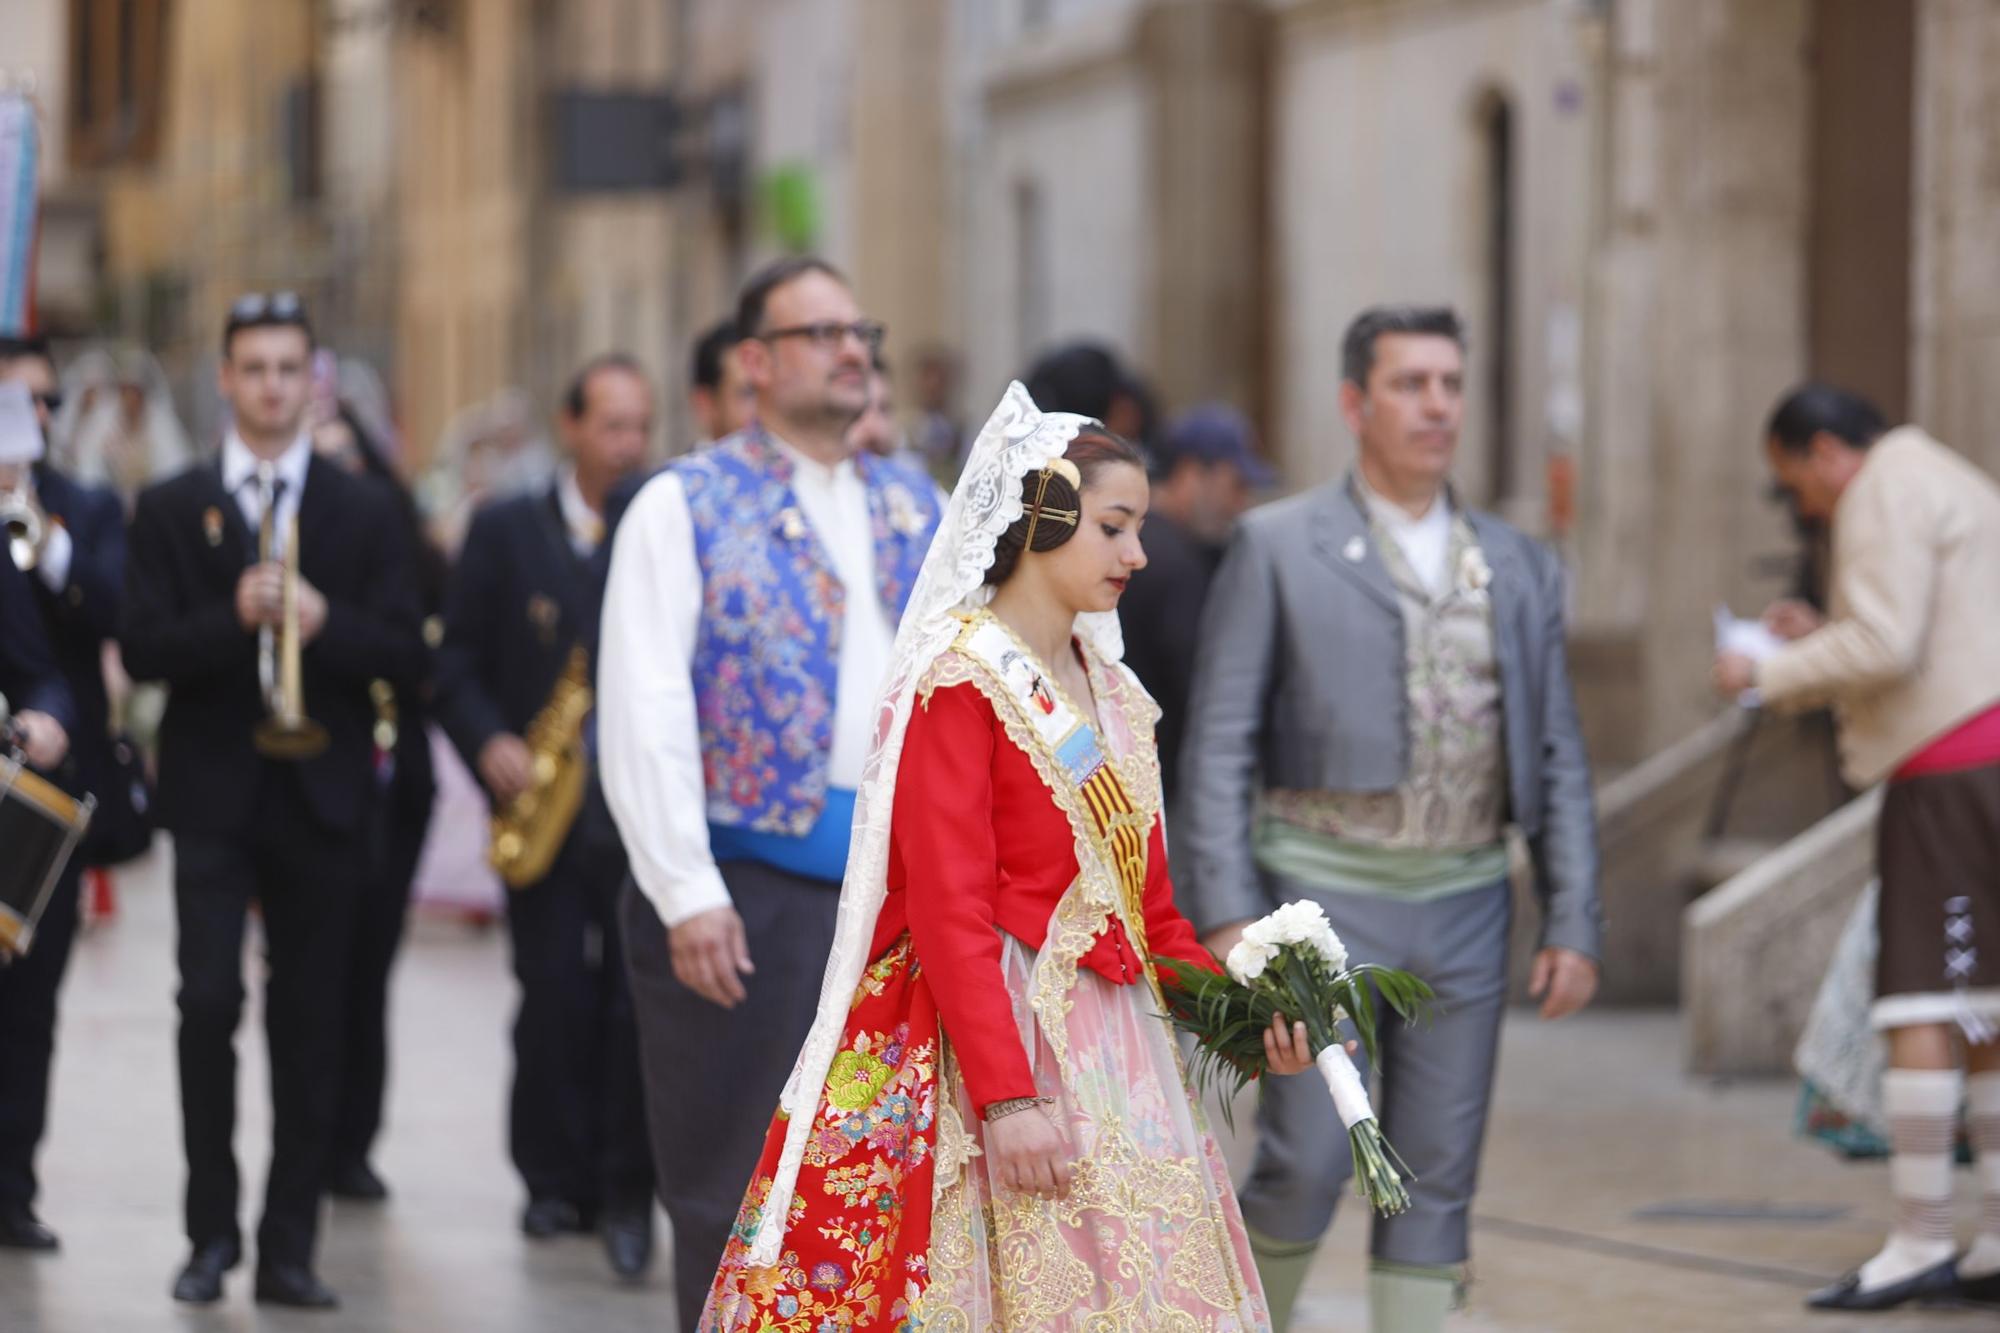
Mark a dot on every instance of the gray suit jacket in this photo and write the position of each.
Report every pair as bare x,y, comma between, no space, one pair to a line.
1300,684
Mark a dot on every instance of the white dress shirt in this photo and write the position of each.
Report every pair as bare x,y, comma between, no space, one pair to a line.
1425,538
649,749
239,478
586,525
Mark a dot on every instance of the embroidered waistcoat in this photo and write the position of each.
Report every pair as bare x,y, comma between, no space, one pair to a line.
766,657
1455,793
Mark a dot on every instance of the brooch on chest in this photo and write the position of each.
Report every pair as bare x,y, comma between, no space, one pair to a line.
543,614
905,518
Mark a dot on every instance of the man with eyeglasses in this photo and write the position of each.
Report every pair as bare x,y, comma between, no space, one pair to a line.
77,571
285,833
750,610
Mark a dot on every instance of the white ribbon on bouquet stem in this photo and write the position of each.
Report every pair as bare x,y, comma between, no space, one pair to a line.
1343,1080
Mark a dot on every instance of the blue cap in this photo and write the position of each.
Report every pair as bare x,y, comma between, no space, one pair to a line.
1217,433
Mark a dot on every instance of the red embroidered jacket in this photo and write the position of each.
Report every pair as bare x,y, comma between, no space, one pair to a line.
979,846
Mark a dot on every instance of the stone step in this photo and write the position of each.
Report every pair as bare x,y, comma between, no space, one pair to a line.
1725,858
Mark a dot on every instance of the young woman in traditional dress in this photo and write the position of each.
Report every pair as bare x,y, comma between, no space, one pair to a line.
989,1127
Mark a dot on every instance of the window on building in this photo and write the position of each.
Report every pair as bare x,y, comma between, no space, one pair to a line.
1497,131
117,60
1031,263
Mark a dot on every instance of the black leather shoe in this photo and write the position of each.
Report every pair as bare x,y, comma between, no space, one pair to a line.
293,1285
1980,1290
546,1218
628,1243
1847,1294
356,1180
20,1229
200,1283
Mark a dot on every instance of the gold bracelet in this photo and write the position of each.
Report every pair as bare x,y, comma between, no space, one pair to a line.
995,1110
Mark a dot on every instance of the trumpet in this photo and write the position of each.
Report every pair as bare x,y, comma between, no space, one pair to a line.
286,732
26,525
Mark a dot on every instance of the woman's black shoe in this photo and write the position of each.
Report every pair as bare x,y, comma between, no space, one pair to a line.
1847,1293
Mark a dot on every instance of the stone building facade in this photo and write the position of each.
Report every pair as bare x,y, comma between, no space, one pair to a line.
1655,214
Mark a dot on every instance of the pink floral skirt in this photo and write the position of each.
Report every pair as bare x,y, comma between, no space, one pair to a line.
897,1224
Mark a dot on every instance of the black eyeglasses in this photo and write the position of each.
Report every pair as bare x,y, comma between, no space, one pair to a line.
50,402
827,334
256,307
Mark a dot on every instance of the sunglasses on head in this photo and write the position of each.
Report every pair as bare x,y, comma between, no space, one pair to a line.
254,307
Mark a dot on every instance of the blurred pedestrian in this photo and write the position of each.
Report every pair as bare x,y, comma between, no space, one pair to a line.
117,426
208,606
1905,654
76,567
1205,470
719,396
521,626
875,431
406,788
1089,379
939,437
752,604
1383,687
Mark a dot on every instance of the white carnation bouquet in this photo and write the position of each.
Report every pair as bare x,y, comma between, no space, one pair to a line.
1292,963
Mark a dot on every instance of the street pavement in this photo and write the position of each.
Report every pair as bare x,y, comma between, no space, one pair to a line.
1618,1194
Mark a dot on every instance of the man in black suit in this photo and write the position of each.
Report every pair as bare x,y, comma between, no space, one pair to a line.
525,593
77,576
283,832
1205,471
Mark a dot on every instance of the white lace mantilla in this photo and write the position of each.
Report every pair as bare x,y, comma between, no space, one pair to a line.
1017,439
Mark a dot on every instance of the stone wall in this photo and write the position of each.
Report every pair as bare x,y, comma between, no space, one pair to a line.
1955,350
1757,946
1667,829
1380,193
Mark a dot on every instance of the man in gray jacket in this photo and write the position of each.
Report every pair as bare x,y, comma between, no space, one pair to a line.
1383,687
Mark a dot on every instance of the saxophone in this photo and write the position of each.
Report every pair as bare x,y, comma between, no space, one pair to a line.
530,830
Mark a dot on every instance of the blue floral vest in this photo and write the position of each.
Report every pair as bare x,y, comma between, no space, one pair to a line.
766,659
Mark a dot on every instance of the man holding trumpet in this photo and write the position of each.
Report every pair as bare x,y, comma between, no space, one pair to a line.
268,589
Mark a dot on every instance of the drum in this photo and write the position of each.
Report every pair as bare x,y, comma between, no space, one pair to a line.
39,828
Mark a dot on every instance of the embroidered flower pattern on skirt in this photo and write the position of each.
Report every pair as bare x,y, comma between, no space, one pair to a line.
865,1184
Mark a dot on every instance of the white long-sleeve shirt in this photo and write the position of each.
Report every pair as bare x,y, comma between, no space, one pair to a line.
649,747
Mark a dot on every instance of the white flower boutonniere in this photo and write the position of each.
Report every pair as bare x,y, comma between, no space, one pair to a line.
905,518
1474,574
793,524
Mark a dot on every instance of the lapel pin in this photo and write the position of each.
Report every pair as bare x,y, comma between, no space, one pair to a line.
793,524
211,525
543,613
1355,551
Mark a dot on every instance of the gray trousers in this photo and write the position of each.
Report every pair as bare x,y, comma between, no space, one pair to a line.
1436,1084
713,1075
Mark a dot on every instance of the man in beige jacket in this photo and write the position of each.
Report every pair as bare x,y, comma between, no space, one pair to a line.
1908,656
